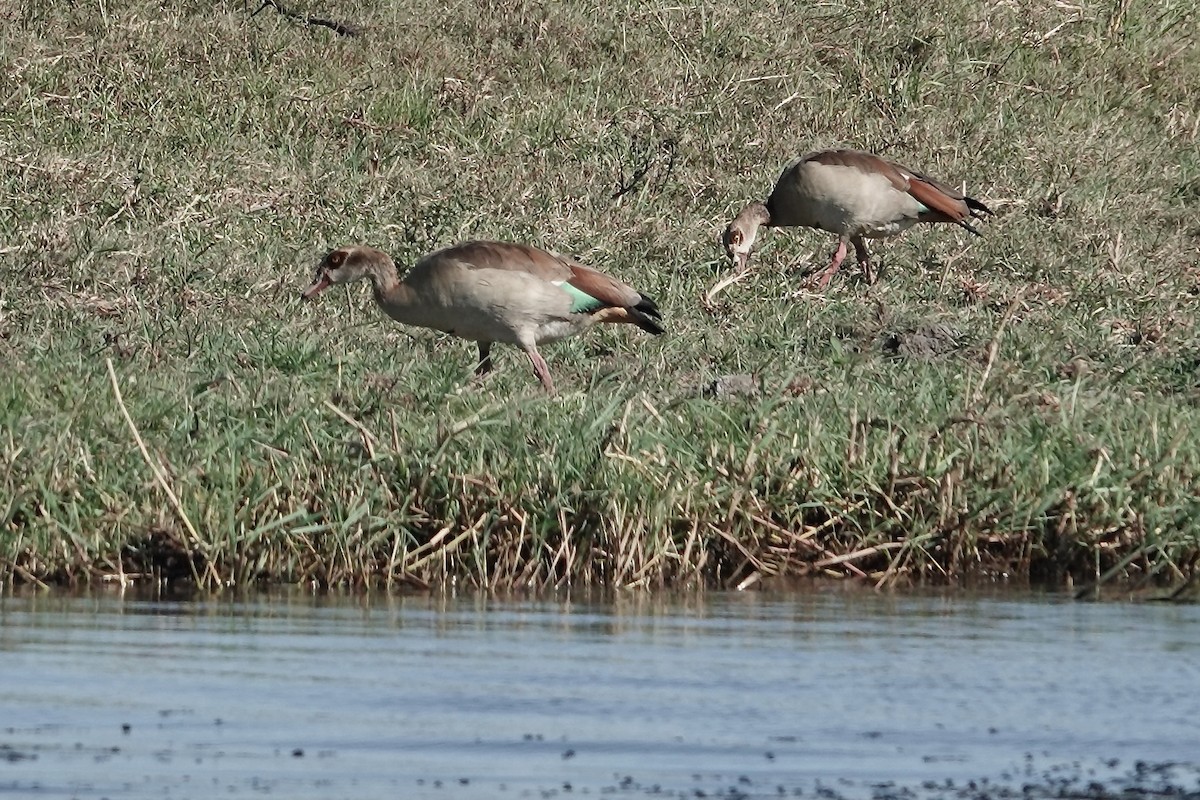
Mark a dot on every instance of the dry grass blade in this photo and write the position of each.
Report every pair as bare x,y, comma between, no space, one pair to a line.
993,348
368,438
160,478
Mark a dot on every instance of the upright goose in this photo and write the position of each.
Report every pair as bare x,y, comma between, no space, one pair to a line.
853,194
492,292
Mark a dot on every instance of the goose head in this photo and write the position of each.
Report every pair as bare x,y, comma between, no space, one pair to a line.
346,265
739,237
738,240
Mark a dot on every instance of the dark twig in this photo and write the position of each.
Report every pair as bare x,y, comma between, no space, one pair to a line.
639,173
340,28
666,149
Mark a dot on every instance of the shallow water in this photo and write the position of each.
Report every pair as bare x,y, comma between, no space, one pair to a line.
730,695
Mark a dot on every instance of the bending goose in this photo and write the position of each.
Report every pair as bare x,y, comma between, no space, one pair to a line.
492,292
850,193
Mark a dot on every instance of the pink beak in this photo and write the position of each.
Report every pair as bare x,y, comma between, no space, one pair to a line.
319,285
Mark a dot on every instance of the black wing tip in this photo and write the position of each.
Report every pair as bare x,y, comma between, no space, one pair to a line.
647,316
978,211
975,205
650,326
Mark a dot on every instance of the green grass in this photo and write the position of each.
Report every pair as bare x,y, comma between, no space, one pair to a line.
1021,405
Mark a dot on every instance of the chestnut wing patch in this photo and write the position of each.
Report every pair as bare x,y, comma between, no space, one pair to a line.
581,301
938,199
946,204
591,290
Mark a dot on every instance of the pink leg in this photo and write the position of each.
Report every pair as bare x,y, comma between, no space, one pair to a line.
864,261
540,369
839,256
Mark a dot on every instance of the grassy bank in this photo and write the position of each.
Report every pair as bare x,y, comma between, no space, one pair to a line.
1023,404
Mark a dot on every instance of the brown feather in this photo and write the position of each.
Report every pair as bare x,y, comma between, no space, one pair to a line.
945,207
508,256
630,305
609,291
864,162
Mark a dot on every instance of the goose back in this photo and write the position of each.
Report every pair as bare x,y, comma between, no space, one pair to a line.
853,193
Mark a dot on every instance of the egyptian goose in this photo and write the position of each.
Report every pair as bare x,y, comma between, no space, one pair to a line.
492,292
853,194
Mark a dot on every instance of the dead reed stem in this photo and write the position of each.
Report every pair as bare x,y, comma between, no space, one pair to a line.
368,438
994,346
161,479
